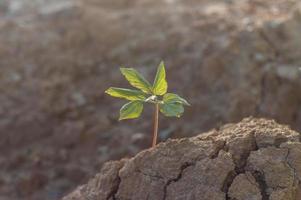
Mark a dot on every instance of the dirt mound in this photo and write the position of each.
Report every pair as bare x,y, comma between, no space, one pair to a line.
252,160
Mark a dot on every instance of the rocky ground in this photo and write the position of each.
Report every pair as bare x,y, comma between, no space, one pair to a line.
229,58
255,159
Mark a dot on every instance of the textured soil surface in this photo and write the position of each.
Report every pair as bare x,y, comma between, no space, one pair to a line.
255,159
230,58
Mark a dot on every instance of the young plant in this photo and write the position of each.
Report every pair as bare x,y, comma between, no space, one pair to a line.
169,104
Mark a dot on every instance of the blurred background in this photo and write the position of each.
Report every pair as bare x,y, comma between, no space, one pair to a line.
229,58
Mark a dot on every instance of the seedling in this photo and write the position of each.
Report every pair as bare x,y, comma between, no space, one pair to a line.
169,104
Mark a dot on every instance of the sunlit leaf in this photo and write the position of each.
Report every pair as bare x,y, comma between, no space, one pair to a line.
136,80
160,83
131,110
172,109
174,98
128,94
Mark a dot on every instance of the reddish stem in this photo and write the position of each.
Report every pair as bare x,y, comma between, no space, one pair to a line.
156,122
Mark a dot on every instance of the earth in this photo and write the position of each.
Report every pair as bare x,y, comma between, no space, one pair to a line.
229,58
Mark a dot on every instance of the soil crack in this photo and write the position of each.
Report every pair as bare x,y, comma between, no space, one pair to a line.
260,179
183,167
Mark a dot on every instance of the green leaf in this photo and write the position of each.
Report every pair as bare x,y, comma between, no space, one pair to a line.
131,110
172,109
174,98
136,80
160,83
126,93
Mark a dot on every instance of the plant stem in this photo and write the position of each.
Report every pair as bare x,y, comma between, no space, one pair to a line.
156,122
